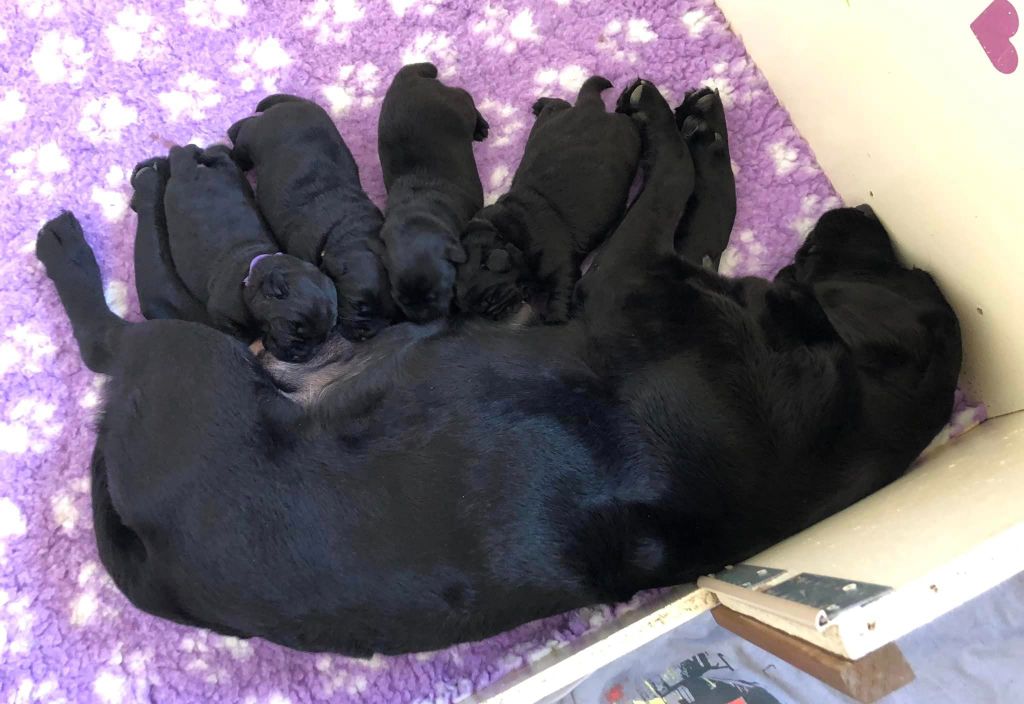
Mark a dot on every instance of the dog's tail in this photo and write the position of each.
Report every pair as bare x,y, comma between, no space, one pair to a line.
590,91
424,70
272,100
71,265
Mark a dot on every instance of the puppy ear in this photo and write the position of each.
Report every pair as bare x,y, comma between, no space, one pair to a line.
455,253
274,285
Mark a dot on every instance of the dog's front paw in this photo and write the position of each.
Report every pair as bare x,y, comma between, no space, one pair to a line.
61,244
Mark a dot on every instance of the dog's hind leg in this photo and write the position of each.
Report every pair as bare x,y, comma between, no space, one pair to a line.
72,267
706,225
162,294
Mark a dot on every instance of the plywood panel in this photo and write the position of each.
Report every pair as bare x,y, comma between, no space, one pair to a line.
905,111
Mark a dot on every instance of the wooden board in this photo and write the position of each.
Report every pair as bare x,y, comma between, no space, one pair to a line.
866,680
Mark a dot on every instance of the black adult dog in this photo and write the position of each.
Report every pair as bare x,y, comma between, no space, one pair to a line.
552,220
425,139
443,482
310,194
228,260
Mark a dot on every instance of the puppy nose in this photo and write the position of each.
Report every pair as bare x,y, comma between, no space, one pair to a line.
867,210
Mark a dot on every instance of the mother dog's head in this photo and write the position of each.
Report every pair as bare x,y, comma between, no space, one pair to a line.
293,304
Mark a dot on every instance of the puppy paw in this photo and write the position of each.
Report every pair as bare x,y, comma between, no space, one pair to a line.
701,119
546,105
482,128
644,102
61,246
146,171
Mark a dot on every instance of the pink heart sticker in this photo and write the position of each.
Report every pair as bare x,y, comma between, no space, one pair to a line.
993,28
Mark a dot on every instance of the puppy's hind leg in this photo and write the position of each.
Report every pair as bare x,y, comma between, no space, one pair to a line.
704,230
71,265
161,291
648,228
590,92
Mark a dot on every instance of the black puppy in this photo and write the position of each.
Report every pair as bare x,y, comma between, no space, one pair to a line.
228,260
440,483
310,194
569,192
162,294
425,139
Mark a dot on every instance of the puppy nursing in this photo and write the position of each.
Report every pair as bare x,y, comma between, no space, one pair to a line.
227,258
310,194
425,137
568,194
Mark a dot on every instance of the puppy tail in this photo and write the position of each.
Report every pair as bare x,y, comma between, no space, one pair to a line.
590,91
424,70
272,100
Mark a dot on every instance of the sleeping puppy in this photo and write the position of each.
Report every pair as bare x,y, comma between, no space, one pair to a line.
162,294
568,194
228,260
310,194
425,139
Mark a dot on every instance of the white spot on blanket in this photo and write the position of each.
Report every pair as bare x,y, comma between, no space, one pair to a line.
522,27
569,78
25,348
34,168
498,114
103,119
214,14
64,511
332,19
356,86
116,293
239,649
424,7
59,58
435,47
639,31
323,663
36,9
504,30
278,698
262,61
12,108
608,42
113,204
785,157
12,523
83,607
110,687
194,96
695,21
126,33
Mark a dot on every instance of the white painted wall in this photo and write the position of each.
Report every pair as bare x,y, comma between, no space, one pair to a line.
897,98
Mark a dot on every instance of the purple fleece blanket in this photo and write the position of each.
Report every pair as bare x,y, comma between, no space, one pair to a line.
88,88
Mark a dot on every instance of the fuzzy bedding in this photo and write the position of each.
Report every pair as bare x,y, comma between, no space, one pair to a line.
89,88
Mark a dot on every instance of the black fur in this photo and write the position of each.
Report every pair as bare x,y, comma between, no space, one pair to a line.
441,483
310,194
425,139
215,232
568,194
